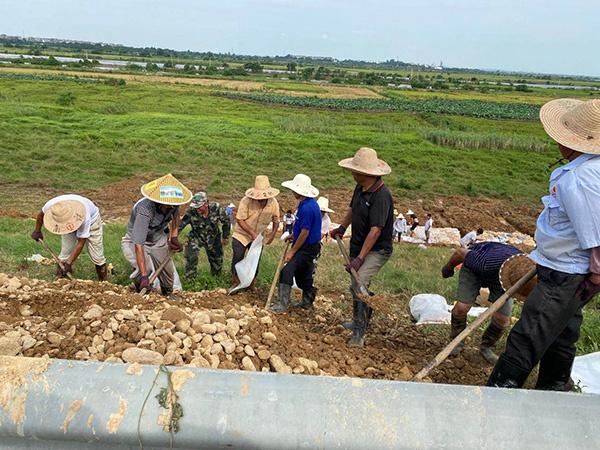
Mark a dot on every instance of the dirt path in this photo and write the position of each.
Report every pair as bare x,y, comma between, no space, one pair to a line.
100,321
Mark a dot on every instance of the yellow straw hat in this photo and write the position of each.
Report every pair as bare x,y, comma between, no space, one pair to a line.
64,217
512,270
167,190
365,161
573,123
262,189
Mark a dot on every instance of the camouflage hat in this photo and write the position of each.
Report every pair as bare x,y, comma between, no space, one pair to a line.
199,199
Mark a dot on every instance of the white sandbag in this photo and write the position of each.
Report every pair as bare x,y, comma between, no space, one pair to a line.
246,268
429,308
586,372
475,311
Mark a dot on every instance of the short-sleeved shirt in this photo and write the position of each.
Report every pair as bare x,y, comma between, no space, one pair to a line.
486,258
468,238
147,223
288,219
308,218
92,213
428,224
569,226
325,224
255,216
372,208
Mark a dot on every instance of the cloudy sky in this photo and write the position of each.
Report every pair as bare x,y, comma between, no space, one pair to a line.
553,36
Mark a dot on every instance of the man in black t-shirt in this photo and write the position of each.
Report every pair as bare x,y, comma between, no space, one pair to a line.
371,214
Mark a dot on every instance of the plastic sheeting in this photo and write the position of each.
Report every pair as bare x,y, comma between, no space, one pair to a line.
586,372
246,268
432,308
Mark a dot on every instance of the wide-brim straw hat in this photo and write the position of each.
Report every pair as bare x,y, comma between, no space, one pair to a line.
167,190
573,123
231,205
366,162
410,212
302,185
400,216
324,205
262,189
512,270
64,217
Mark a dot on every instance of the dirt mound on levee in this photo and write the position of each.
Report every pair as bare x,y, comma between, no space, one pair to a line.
86,320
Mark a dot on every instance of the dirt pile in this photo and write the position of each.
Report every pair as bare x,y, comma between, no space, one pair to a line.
103,322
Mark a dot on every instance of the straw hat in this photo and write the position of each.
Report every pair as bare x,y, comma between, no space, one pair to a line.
512,270
302,184
410,212
231,205
365,161
573,123
400,216
167,190
324,205
262,189
64,217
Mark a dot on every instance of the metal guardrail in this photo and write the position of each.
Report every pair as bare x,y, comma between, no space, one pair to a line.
86,405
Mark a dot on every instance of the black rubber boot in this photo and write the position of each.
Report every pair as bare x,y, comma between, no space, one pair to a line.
555,374
283,299
490,337
457,325
350,324
507,375
102,272
308,298
360,325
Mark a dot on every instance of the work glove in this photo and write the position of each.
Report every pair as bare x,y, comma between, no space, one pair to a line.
355,264
587,290
67,269
174,244
144,283
447,271
338,232
37,235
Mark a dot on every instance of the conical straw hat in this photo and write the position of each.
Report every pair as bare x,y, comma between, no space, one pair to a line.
512,270
64,217
302,185
573,123
365,161
167,190
323,203
262,189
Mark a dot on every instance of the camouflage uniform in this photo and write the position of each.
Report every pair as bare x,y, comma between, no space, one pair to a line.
205,233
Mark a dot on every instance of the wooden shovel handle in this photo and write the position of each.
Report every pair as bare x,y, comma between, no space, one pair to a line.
56,259
276,277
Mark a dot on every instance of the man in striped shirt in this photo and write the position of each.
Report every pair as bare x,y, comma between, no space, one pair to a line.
480,268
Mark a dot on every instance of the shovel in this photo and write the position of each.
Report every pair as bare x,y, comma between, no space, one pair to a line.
441,356
157,272
277,272
58,261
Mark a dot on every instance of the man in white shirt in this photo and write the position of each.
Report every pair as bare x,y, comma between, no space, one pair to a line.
470,238
428,225
78,221
399,227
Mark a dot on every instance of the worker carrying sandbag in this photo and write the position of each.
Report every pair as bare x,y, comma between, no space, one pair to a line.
152,231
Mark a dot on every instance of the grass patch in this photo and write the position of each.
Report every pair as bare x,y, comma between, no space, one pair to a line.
485,141
295,87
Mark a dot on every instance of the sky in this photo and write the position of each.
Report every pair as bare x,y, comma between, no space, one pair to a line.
546,36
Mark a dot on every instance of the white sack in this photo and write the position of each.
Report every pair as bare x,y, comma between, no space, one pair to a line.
246,268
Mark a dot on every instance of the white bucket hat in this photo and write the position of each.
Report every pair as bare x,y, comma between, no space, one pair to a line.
573,123
365,161
324,205
64,217
302,185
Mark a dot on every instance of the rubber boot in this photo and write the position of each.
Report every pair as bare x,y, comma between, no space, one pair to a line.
102,272
457,325
360,325
308,298
490,337
283,299
507,375
555,374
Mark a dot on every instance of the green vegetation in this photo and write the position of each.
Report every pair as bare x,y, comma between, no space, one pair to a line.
296,87
485,141
475,108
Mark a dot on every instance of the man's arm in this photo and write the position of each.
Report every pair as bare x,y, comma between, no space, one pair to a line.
76,251
37,232
184,222
140,259
275,227
247,228
297,245
226,227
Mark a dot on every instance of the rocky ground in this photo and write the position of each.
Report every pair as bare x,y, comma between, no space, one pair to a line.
87,320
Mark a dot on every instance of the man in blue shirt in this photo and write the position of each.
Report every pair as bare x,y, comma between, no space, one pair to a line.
567,254
306,239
